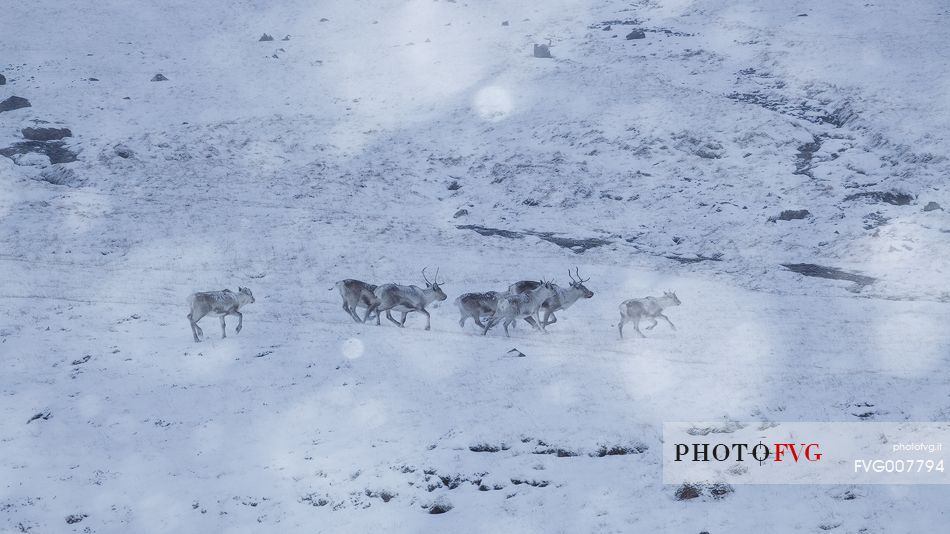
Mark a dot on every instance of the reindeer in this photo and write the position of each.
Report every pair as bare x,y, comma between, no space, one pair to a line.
355,294
512,306
650,307
477,305
406,299
563,298
218,304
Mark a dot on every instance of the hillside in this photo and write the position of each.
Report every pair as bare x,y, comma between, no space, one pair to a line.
719,144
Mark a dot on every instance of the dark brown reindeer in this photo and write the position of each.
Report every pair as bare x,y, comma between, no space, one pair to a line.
477,306
218,304
357,294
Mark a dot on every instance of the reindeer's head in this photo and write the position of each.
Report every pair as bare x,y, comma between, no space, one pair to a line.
579,283
434,285
671,295
247,292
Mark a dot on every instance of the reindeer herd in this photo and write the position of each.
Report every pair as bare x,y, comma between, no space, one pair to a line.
534,301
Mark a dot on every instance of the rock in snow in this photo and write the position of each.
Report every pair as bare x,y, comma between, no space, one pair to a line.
46,134
790,215
542,51
14,102
159,78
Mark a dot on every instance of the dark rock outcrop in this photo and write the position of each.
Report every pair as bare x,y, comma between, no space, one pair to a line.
45,134
56,151
14,102
542,51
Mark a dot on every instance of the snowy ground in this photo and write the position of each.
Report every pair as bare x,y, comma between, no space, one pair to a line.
336,159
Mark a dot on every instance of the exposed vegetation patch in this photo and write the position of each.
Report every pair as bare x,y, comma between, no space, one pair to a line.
574,244
560,453
803,159
315,500
619,450
686,492
535,483
820,271
484,447
888,197
790,215
695,259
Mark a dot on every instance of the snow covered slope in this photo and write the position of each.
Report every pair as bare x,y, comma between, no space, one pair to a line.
381,137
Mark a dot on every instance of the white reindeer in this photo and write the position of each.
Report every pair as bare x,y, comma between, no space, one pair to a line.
356,294
218,304
525,305
477,305
650,307
406,299
562,299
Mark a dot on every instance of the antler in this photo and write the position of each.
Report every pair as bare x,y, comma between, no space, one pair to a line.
436,278
576,270
424,277
571,275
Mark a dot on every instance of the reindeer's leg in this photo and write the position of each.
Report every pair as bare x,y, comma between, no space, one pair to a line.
402,320
505,324
195,317
623,319
369,310
636,325
428,318
534,324
667,319
224,334
549,318
351,311
478,322
652,325
389,316
240,325
194,328
488,324
462,320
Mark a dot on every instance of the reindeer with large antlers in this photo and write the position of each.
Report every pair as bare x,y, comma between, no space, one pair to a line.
406,299
563,298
